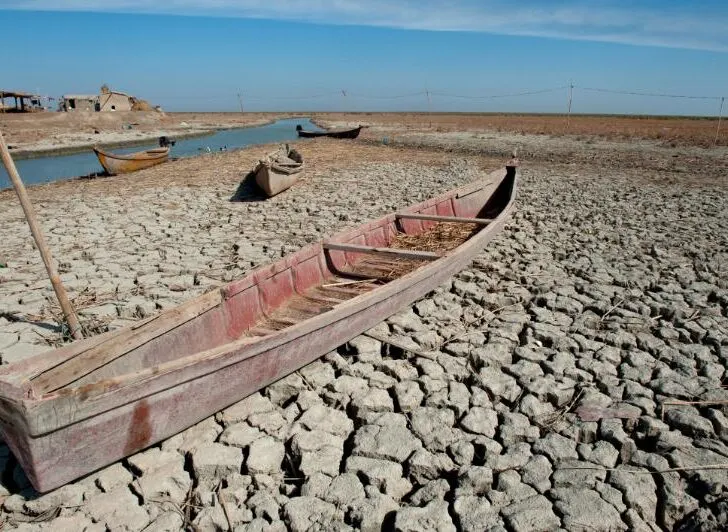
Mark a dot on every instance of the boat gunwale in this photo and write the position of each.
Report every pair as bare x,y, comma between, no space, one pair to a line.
151,154
213,359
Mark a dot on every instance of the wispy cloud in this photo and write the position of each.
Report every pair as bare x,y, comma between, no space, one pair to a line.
669,23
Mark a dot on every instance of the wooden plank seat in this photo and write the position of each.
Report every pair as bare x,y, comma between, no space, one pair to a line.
436,218
389,252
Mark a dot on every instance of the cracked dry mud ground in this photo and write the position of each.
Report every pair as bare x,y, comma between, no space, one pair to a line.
606,295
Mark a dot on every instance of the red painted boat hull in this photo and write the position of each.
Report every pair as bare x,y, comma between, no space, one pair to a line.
71,411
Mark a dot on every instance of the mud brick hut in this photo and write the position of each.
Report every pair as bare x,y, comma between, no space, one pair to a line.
78,102
107,100
110,100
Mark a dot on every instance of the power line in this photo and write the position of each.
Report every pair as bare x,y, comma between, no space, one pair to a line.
394,97
652,94
508,95
233,97
307,97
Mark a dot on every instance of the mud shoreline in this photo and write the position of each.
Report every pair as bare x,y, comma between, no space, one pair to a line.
33,153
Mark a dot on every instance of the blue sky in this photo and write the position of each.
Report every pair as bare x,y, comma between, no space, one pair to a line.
282,55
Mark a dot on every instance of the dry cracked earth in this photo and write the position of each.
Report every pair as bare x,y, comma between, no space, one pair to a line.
573,377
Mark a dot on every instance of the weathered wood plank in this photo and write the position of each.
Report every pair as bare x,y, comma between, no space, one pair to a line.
389,252
103,353
435,218
467,191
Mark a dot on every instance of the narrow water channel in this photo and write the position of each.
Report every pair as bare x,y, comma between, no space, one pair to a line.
57,167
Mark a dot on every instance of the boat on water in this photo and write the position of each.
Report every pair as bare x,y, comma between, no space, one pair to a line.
73,410
279,170
115,163
336,134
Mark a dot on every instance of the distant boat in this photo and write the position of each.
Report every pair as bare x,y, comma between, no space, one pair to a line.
279,170
336,134
131,162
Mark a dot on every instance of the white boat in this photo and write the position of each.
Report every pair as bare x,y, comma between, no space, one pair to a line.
279,170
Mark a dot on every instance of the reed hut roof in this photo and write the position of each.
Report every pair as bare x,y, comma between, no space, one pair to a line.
17,94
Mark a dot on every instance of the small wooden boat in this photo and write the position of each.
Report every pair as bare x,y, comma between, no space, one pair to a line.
336,134
279,170
115,163
73,410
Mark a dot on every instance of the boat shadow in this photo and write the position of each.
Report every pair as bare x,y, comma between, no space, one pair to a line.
14,317
248,190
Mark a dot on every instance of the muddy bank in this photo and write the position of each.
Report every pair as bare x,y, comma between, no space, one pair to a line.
41,134
108,141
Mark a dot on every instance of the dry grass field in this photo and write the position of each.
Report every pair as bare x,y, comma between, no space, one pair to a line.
672,131
56,130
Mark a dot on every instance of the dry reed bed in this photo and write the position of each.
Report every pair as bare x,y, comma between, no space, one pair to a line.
670,131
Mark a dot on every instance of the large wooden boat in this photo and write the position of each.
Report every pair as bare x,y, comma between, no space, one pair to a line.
336,134
70,411
115,163
279,170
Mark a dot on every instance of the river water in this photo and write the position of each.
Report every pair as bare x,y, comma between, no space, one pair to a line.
57,167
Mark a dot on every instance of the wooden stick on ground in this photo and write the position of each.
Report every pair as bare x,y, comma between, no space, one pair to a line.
45,253
394,343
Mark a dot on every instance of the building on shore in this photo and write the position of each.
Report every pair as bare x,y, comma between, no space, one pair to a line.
106,101
78,102
23,102
110,100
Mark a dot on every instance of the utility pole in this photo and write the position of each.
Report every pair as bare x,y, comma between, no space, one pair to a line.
568,110
240,101
720,118
429,105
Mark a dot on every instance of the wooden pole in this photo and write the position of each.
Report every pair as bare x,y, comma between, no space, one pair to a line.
720,118
68,313
429,105
568,110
